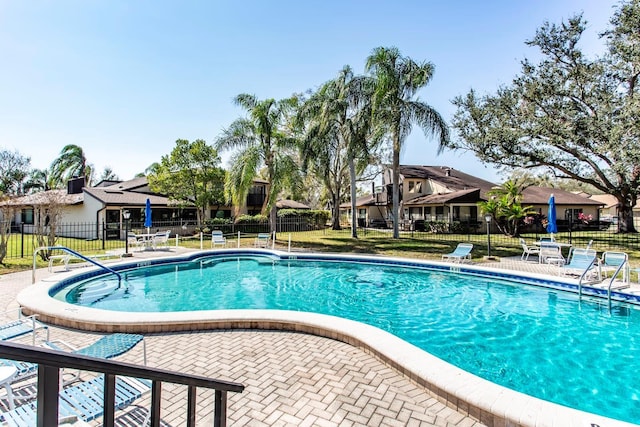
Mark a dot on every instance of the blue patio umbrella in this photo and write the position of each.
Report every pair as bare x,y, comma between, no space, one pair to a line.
147,215
552,227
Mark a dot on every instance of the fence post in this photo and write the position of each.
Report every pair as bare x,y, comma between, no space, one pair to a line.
104,233
22,240
238,239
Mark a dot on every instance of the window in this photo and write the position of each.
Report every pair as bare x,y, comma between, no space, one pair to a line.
415,187
427,213
473,213
439,213
27,216
456,213
415,213
572,214
222,213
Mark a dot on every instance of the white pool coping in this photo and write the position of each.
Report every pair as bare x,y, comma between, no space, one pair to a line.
489,403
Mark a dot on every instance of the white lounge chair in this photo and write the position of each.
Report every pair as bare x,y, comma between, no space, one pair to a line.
551,253
582,261
461,253
64,259
218,239
611,260
133,241
262,240
160,239
528,250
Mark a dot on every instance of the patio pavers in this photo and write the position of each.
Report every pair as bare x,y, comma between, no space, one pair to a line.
291,379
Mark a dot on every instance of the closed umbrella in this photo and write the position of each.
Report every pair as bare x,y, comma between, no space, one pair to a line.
552,227
147,215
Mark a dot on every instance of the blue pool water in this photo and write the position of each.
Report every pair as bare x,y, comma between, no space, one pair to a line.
541,342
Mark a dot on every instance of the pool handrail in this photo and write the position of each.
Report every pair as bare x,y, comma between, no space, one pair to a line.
72,252
613,277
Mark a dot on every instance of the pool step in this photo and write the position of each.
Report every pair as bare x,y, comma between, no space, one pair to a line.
100,291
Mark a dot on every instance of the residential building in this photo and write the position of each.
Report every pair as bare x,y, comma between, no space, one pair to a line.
100,208
427,194
432,195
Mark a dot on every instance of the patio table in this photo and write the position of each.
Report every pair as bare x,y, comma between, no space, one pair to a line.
562,245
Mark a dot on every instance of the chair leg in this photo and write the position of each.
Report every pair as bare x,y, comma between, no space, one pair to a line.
9,391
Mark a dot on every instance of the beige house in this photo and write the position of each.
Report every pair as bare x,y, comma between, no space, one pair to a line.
97,212
427,194
441,194
569,205
609,212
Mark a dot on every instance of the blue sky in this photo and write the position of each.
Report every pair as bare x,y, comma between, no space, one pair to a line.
125,79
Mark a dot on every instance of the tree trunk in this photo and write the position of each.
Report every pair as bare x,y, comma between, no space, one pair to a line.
396,188
335,214
625,222
199,215
6,216
354,213
273,217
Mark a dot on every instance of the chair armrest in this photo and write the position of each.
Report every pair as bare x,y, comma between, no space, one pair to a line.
57,344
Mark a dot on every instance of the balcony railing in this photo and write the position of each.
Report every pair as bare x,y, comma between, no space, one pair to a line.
51,361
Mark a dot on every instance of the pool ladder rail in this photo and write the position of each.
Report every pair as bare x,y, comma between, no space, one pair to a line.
613,278
71,252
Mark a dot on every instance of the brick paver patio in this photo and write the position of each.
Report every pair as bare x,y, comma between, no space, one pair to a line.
291,379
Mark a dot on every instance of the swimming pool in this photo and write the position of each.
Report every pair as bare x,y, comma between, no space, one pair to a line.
540,341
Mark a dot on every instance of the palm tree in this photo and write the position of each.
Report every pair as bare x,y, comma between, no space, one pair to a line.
338,124
505,205
72,162
398,78
109,175
38,180
262,140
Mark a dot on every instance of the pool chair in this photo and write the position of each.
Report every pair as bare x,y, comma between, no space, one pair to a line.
133,241
528,250
64,259
582,261
218,239
107,347
22,326
461,253
262,240
610,262
82,401
550,253
160,239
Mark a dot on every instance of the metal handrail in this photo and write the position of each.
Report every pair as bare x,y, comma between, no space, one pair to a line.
72,252
51,361
582,276
613,277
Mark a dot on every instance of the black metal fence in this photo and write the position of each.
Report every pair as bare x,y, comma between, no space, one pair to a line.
91,238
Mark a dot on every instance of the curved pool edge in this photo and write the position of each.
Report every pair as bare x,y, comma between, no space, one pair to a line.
466,393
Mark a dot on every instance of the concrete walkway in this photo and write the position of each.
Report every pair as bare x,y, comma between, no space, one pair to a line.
291,379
